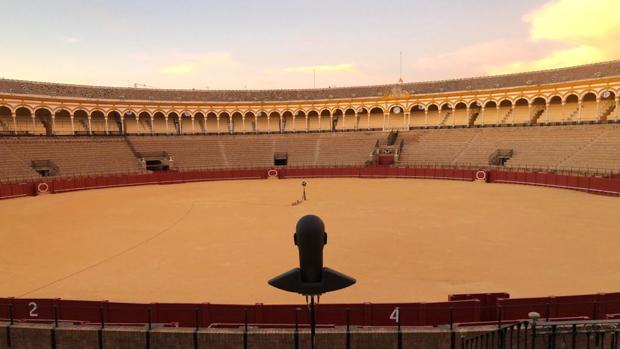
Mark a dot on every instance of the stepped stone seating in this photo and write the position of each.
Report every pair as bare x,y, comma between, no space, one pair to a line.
13,167
434,146
75,156
539,147
326,149
600,154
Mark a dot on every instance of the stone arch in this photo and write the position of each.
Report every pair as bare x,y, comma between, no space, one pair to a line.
417,115
261,121
174,123
43,121
349,119
288,123
274,122
325,119
250,121
396,117
200,122
187,126
211,122
145,124
97,123
23,120
159,125
7,126
313,120
376,118
589,107
337,120
224,124
462,115
238,125
521,111
62,122
299,121
115,123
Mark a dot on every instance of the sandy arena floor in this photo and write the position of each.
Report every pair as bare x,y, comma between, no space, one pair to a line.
404,240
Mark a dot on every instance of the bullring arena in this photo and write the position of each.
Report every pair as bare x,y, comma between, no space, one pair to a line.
153,218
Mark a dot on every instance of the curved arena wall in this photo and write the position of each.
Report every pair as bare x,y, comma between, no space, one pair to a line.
591,184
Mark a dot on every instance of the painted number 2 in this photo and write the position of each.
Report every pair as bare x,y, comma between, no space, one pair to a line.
33,309
395,315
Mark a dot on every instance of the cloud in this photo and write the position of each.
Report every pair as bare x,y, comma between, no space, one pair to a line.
336,68
562,33
186,62
557,59
574,20
588,30
69,39
177,69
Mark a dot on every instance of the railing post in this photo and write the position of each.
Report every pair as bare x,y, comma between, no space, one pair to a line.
534,335
101,327
245,329
296,334
197,327
53,334
149,327
399,337
348,332
525,326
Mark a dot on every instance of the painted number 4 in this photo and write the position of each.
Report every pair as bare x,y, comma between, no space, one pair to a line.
33,309
395,315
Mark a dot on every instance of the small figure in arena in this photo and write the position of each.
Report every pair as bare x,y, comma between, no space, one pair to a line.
303,185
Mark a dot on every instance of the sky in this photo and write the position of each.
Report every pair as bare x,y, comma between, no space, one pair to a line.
274,44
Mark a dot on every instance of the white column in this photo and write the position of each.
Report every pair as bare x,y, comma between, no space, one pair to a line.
138,123
72,123
563,110
368,120
438,117
90,128
166,121
580,108
218,124
598,103
307,127
355,121
617,107
53,123
193,127
426,117
529,113
14,116
386,118
497,113
466,115
105,118
407,119
547,111
34,123
204,121
482,115
230,124
513,113
152,124
243,122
